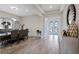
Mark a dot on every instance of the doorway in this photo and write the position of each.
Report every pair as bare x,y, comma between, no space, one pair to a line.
52,34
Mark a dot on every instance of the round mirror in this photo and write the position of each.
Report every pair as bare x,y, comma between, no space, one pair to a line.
71,14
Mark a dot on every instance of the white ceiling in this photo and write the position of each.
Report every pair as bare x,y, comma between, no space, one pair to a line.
49,7
29,9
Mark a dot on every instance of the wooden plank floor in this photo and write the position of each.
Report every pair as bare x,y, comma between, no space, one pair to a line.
32,46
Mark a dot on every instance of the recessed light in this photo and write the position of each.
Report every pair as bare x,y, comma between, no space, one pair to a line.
13,19
14,8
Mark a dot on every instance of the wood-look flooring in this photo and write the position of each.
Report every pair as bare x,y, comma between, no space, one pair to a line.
32,46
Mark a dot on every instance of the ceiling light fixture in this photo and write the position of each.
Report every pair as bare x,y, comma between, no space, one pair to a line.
14,8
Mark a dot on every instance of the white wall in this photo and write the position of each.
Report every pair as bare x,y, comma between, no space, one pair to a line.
8,17
33,23
77,16
64,20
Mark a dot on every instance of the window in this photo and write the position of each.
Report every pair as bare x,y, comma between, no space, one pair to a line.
53,27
